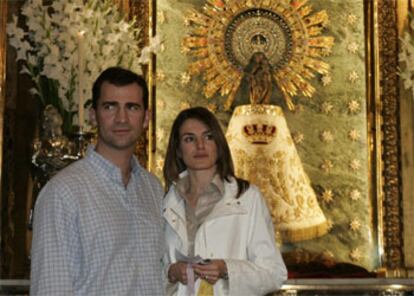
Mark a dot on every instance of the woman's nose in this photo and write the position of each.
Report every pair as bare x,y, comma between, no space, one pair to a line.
200,143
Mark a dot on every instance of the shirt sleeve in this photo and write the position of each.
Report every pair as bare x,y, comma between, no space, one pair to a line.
55,246
264,271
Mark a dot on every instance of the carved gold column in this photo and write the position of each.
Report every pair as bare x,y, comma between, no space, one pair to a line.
144,11
389,106
124,5
3,19
406,98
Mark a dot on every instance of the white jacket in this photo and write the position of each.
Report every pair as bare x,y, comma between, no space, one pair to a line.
240,231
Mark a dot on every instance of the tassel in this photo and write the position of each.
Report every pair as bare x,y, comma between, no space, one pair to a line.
205,289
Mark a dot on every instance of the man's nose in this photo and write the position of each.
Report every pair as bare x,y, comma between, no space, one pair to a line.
121,115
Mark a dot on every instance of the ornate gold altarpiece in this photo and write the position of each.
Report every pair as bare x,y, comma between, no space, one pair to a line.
383,21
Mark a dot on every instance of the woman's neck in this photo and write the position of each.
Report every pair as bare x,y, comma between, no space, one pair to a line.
198,181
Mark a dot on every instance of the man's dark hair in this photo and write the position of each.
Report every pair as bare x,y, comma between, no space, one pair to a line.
119,77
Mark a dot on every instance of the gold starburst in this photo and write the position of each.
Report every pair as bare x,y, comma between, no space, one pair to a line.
353,76
159,164
355,194
354,135
355,254
326,107
162,47
329,224
355,225
160,134
327,136
212,107
353,106
184,105
206,43
353,47
160,75
298,137
161,17
351,19
327,165
355,164
160,104
299,108
326,79
327,196
185,78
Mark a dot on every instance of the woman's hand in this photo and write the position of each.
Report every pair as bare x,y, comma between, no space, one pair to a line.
212,271
178,273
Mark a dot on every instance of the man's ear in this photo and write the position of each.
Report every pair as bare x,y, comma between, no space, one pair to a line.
147,118
92,116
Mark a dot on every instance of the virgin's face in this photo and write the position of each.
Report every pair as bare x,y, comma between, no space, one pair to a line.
197,148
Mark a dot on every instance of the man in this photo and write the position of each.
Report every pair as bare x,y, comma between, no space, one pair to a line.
97,225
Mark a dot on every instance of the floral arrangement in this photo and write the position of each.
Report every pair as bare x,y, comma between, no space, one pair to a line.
406,57
65,45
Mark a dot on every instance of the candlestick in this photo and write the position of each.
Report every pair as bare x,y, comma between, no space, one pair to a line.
81,116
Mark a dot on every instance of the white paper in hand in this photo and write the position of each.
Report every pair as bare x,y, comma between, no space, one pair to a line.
195,260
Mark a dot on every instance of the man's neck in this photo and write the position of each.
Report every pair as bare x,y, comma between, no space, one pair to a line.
120,158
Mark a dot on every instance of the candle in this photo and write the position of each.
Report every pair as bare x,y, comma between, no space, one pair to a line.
81,66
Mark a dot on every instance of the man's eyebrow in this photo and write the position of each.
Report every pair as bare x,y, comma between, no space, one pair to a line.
110,102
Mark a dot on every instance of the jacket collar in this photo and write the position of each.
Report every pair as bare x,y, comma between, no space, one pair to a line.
228,205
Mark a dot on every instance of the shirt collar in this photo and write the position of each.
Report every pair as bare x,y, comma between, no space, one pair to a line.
182,183
109,168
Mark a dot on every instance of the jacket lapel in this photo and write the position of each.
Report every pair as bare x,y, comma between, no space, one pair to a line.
174,214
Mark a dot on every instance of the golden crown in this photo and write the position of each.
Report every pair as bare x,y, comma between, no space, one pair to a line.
259,133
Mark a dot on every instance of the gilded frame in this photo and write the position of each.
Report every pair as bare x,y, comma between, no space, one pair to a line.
382,80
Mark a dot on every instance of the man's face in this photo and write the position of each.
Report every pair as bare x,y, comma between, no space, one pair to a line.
120,117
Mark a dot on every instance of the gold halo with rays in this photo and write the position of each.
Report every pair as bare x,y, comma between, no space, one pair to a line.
224,35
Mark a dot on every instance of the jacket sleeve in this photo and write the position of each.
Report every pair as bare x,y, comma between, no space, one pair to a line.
264,271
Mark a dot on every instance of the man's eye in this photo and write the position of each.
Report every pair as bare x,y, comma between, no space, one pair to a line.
108,106
134,107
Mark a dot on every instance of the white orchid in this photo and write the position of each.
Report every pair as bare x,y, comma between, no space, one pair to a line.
50,47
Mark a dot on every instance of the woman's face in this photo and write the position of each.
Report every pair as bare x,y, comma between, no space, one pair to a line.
197,148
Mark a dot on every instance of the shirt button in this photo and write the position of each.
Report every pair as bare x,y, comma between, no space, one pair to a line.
228,203
173,220
238,202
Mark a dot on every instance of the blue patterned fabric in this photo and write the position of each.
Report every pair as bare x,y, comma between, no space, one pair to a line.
94,236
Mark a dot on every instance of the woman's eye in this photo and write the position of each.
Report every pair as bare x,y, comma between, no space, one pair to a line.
188,139
209,137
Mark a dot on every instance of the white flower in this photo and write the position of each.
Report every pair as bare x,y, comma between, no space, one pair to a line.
51,48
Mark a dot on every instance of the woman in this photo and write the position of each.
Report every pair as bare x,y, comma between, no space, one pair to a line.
211,213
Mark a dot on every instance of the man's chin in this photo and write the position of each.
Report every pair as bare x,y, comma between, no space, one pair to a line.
120,145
